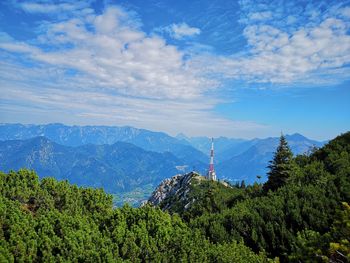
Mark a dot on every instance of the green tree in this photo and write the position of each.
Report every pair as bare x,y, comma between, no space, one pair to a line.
280,167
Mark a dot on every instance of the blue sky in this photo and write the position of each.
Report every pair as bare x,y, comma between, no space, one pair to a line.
232,68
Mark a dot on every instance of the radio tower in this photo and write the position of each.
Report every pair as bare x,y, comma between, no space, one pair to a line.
211,172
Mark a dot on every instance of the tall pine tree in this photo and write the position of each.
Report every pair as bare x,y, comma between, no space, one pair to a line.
280,167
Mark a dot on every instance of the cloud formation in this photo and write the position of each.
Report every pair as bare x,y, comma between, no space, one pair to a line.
111,52
47,7
182,30
76,105
102,68
308,46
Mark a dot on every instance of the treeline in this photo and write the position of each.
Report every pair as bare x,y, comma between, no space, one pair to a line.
52,221
301,214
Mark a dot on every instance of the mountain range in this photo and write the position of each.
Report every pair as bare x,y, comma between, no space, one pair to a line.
122,159
249,159
118,167
98,135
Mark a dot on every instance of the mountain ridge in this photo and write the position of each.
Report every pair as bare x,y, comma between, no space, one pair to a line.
252,162
81,135
116,167
235,159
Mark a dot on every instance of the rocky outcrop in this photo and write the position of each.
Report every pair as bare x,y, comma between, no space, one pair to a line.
178,185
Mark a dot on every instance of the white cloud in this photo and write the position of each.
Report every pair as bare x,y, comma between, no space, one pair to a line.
183,30
95,107
345,12
61,8
180,31
113,53
46,8
287,52
260,15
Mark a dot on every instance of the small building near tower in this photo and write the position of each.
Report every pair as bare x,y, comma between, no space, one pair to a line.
211,172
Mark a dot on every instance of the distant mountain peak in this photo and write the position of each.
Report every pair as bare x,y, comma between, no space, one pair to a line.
296,136
181,136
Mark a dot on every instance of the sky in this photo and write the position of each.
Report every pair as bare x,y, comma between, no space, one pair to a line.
241,69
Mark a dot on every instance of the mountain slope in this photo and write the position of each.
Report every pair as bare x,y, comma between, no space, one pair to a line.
177,186
117,168
54,221
228,148
190,194
81,135
203,144
253,161
304,220
235,159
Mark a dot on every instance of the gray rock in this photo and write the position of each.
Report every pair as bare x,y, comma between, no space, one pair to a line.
177,185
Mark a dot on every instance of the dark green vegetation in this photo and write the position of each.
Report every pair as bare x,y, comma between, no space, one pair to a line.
306,218
52,221
281,167
301,214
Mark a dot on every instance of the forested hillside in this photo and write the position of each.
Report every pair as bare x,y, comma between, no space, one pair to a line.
52,221
301,214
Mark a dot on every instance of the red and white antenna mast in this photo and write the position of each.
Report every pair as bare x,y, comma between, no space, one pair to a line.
211,172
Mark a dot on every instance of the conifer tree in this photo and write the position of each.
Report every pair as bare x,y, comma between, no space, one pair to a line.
280,167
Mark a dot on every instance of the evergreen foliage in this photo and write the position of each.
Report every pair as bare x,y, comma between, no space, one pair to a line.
54,221
280,167
305,219
298,222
